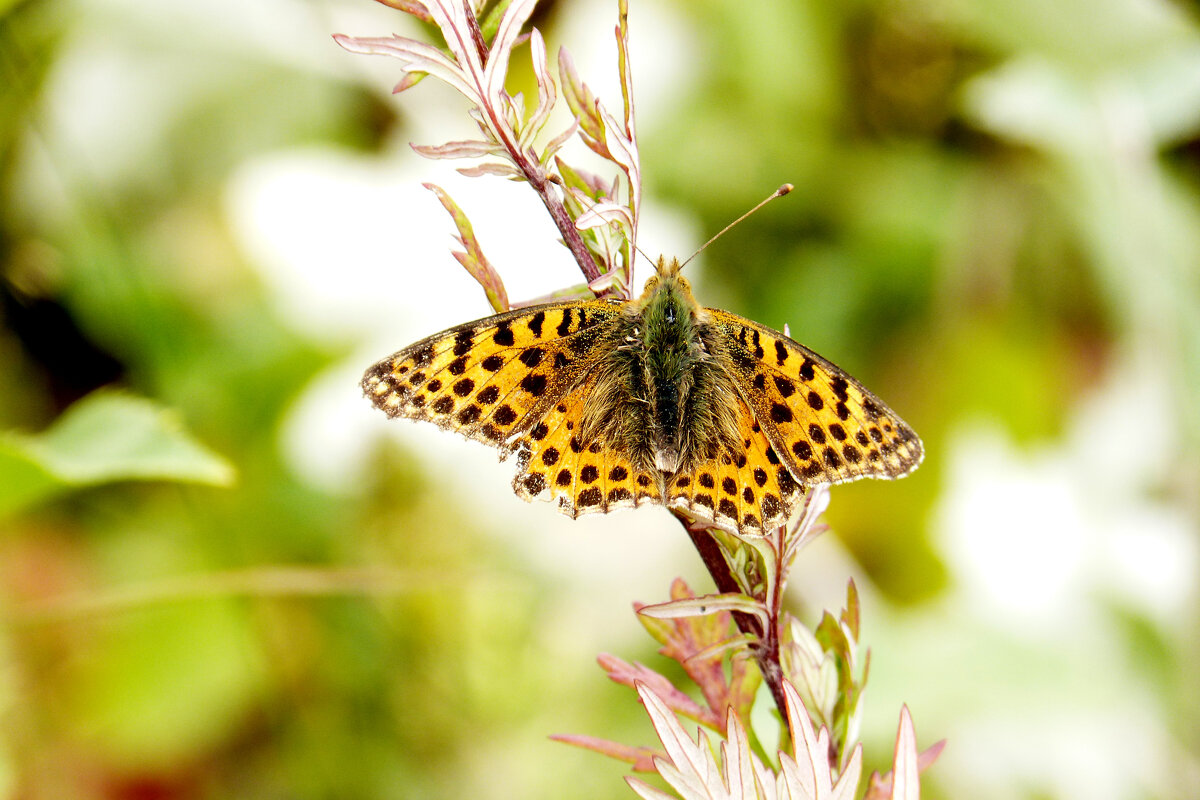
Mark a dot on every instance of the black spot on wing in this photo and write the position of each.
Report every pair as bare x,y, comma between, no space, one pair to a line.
504,335
534,383
464,340
423,356
532,356
536,322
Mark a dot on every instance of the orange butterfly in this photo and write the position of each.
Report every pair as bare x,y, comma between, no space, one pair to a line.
611,403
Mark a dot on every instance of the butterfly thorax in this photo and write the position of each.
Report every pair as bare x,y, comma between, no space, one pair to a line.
662,397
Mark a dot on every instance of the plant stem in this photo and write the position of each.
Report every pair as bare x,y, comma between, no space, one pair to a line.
533,172
766,653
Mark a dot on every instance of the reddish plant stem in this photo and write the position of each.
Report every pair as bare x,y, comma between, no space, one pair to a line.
766,653
532,169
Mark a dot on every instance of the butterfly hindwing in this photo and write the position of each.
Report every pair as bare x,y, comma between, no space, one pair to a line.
822,423
583,476
748,489
494,379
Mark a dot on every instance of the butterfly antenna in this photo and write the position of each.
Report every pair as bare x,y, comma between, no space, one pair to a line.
649,260
780,192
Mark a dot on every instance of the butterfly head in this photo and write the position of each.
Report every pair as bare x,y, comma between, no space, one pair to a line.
667,298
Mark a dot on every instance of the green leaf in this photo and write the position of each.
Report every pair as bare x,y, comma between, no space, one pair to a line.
105,437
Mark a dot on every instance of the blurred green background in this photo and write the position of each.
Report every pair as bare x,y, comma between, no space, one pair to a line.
223,575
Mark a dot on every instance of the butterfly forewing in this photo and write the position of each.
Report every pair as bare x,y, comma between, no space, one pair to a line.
822,423
494,378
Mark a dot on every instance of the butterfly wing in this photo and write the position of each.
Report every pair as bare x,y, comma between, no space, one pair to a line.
748,490
583,476
494,379
822,423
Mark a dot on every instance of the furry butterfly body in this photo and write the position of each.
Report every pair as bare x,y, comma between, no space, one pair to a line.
610,404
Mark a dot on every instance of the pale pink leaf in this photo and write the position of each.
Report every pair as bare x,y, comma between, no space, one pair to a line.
631,675
604,214
906,779
646,791
705,605
797,779
414,57
847,784
739,763
451,18
503,170
880,787
641,758
557,142
603,282
547,92
577,292
809,748
623,150
580,100
471,148
417,9
688,766
515,16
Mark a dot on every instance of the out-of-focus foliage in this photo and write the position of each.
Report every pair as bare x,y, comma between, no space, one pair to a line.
996,226
102,439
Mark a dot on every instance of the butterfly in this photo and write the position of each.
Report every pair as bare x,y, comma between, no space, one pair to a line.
610,404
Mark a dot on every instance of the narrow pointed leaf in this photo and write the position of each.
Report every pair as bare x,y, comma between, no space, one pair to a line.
906,777
471,148
704,605
691,762
417,9
514,17
646,791
472,258
555,144
633,675
605,214
640,758
415,57
739,762
547,91
503,170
